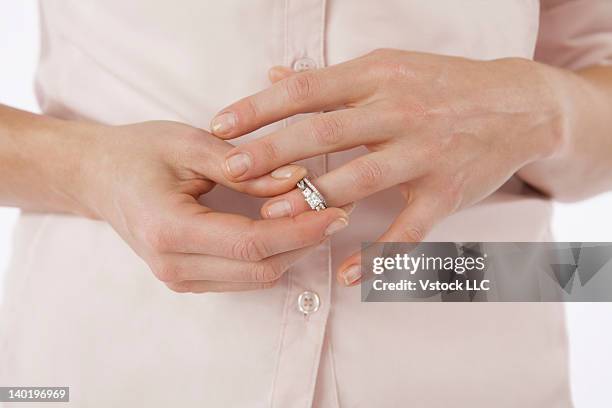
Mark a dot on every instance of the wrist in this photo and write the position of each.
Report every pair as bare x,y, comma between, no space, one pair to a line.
63,162
576,105
546,100
554,108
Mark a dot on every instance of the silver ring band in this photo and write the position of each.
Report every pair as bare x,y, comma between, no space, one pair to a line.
313,197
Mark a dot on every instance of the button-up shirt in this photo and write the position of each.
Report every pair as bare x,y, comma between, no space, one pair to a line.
82,310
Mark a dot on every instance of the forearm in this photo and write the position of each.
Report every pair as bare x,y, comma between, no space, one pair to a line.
40,162
581,166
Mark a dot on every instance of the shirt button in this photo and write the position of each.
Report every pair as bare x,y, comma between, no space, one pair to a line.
304,64
308,302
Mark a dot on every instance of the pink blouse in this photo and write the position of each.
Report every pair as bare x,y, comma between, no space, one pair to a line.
82,310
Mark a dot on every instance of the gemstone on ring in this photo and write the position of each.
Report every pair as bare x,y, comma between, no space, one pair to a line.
312,196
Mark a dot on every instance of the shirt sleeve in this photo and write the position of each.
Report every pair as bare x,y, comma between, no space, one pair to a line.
575,34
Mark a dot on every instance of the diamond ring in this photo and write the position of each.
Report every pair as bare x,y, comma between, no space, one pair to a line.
312,196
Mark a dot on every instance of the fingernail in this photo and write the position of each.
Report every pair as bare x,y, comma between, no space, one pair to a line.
351,274
238,164
283,173
349,208
279,209
336,226
223,123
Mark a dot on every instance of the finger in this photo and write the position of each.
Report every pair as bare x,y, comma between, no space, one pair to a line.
322,133
194,267
352,182
279,72
412,225
216,287
348,208
237,237
208,160
277,182
309,91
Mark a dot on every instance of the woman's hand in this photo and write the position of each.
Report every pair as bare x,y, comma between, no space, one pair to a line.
145,179
448,131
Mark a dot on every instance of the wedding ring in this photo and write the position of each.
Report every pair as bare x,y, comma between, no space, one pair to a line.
312,196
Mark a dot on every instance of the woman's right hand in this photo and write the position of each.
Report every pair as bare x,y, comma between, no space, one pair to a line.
145,179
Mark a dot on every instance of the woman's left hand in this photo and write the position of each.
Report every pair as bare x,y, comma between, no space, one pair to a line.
447,131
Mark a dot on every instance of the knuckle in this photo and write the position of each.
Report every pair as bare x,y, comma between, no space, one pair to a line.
414,232
268,285
249,109
166,272
157,238
265,272
410,113
377,53
327,130
249,248
385,65
269,149
396,70
301,87
367,174
386,51
178,287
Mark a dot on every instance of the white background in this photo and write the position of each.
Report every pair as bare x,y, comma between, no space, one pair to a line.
590,325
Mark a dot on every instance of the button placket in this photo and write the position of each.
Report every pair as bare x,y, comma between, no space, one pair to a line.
304,64
308,302
309,280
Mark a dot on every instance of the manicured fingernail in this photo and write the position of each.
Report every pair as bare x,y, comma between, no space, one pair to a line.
336,226
223,123
351,275
279,209
283,173
238,164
